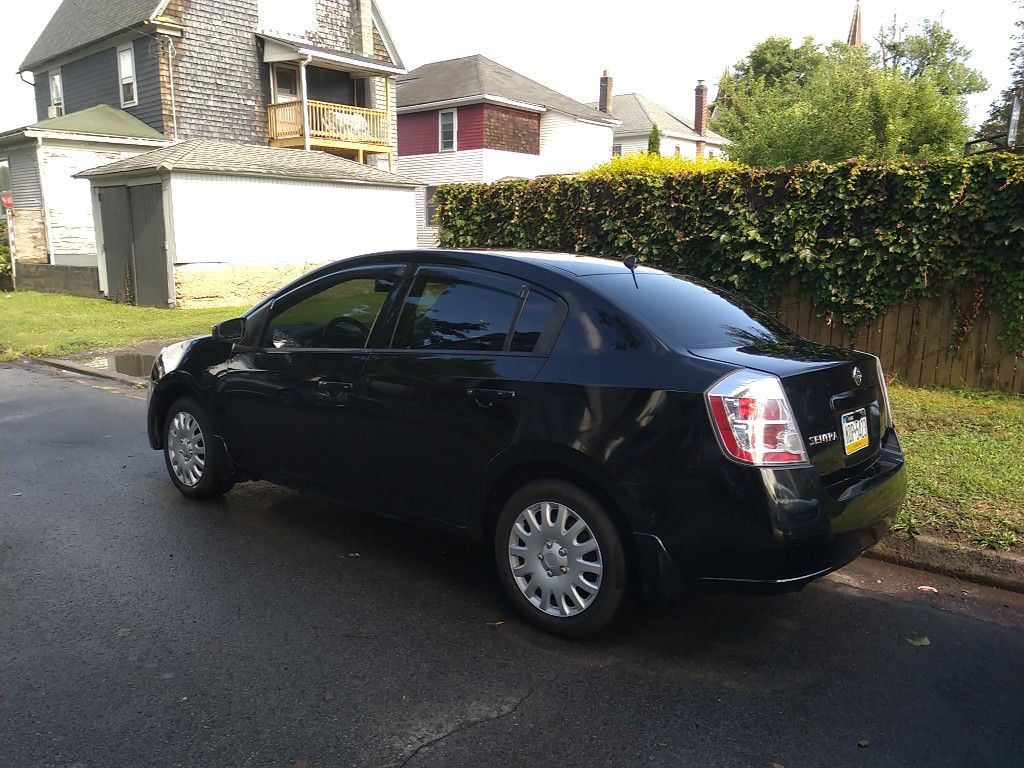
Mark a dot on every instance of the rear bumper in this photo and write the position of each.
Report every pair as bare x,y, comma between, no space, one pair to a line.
769,531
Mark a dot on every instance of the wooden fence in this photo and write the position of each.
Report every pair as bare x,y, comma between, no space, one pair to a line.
913,341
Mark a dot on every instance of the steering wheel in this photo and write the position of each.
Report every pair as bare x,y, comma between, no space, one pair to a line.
347,330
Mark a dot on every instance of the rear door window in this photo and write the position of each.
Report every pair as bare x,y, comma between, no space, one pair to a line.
458,309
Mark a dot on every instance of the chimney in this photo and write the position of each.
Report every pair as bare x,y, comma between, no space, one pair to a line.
605,101
366,27
700,114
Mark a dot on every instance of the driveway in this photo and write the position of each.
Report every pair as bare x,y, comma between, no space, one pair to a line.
271,628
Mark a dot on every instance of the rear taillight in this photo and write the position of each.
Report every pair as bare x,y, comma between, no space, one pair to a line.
887,416
752,418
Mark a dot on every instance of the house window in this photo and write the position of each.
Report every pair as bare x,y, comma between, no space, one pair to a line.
446,130
616,150
431,207
126,75
286,83
56,95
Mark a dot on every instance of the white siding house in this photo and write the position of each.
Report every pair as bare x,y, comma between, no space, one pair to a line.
236,222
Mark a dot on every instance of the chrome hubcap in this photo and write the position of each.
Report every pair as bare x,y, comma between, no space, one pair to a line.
555,559
186,448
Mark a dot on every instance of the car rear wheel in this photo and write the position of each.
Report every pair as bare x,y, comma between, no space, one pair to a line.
196,460
560,558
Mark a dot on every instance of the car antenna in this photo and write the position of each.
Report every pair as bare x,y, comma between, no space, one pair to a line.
630,262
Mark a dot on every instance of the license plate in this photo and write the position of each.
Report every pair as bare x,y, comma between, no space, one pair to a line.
855,430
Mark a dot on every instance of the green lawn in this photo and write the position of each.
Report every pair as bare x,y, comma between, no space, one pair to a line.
965,450
50,325
965,455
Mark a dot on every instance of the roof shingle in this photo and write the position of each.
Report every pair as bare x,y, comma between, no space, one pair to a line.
478,76
77,23
222,157
638,115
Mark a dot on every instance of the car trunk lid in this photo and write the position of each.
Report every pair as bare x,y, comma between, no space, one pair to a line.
835,395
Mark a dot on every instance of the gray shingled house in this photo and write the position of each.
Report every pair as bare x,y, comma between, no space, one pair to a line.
299,74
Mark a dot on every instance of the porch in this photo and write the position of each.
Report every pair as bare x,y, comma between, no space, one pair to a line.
336,102
331,126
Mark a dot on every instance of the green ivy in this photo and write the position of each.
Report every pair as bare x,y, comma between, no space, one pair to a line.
857,238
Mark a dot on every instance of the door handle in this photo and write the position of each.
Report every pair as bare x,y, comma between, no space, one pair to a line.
334,387
488,397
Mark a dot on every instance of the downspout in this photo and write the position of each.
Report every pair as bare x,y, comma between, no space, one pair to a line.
305,101
170,79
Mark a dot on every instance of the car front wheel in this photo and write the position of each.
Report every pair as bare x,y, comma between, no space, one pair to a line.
560,558
195,459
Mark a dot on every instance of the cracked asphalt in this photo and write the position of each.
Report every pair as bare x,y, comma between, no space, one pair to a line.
274,629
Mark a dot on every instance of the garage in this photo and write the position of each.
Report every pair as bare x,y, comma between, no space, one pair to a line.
207,222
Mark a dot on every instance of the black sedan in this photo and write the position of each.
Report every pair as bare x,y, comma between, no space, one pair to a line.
605,428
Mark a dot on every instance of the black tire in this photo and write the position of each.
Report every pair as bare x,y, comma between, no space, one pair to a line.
216,477
611,593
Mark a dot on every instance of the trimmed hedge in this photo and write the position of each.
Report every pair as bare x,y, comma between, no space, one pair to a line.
857,238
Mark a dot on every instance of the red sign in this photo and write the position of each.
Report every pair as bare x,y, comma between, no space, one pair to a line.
7,200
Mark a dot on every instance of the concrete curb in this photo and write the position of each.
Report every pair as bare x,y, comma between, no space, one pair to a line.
930,553
85,370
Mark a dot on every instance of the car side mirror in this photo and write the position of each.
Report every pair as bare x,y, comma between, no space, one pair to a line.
230,331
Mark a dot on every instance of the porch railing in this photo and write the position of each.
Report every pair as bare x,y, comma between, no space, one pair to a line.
336,122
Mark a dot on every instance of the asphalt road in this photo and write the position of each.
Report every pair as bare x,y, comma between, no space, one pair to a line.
274,629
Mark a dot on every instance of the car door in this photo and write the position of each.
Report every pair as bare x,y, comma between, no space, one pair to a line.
293,404
449,393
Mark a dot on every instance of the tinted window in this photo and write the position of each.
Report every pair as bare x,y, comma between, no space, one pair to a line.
340,316
691,315
456,309
531,324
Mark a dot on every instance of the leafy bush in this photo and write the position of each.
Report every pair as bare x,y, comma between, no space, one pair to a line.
857,238
5,254
644,163
654,141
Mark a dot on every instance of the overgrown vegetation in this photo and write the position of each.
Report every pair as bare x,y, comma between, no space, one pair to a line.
5,256
857,238
786,104
51,324
964,464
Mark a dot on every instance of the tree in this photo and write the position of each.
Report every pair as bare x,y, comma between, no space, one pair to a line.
775,62
654,140
933,53
999,112
849,107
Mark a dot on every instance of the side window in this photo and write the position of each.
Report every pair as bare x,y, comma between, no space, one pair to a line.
532,322
340,316
457,309
126,74
446,126
56,94
430,214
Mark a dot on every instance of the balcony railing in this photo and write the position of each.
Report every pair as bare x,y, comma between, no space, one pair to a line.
339,124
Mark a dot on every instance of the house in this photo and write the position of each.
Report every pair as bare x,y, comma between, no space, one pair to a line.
474,120
50,216
638,115
212,222
299,74
292,73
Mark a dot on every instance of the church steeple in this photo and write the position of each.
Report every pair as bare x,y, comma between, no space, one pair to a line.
855,38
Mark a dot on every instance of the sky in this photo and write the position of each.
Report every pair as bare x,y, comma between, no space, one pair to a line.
653,47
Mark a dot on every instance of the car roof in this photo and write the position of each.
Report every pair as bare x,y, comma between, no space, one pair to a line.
566,263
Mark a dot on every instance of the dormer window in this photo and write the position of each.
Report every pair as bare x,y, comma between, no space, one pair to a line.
126,75
446,122
56,95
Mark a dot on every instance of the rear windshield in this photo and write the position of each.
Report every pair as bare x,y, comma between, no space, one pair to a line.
686,314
